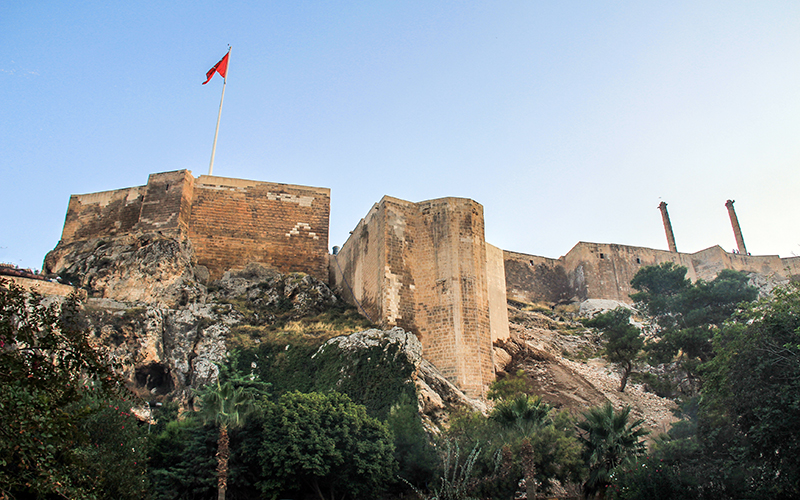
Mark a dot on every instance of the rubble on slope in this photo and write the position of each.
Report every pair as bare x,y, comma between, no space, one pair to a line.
562,363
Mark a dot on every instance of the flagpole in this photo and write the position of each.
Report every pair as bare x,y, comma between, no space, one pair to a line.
216,132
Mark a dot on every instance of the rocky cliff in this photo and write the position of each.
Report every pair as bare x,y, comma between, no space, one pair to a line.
168,327
146,268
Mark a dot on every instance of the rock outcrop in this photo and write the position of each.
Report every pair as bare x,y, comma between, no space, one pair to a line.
406,344
159,318
145,268
436,396
164,352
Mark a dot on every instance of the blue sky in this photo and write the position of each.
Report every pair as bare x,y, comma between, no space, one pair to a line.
568,121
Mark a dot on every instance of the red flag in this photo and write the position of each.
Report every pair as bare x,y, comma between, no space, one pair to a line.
221,67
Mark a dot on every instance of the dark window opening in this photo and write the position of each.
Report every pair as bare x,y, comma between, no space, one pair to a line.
602,256
638,260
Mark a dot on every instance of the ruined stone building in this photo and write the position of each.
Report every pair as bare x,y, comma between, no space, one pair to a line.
425,267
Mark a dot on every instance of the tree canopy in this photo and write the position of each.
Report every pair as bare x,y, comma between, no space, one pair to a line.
741,440
63,421
686,314
327,444
609,438
227,406
754,382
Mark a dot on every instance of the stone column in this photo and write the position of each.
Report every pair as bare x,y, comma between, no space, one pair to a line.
667,227
737,231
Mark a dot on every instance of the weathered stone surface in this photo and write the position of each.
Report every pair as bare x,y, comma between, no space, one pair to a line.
766,283
437,397
142,268
267,289
501,359
592,307
409,345
164,352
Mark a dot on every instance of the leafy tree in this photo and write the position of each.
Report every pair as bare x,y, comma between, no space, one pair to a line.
514,438
325,442
753,384
116,447
623,340
547,448
660,288
681,465
525,415
226,405
609,439
653,478
557,452
182,463
687,314
46,365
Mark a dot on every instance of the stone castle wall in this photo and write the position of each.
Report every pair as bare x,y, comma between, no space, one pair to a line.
530,278
281,225
44,287
792,266
604,271
167,203
98,215
230,222
425,267
498,300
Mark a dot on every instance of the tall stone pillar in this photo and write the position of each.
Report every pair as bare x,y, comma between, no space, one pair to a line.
737,231
667,227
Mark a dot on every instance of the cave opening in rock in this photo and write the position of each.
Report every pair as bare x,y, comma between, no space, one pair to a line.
154,377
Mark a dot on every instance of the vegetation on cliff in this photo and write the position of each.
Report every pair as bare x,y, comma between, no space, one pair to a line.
340,414
738,435
66,431
623,341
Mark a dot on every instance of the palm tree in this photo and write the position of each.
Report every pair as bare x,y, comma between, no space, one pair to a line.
227,406
524,415
609,439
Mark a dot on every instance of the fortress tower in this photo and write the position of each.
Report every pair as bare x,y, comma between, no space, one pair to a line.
426,267
230,222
